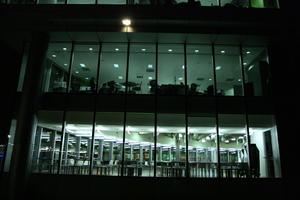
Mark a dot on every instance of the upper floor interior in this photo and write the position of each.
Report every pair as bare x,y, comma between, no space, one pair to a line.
194,3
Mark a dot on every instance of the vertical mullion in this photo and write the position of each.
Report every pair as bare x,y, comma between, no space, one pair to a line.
249,4
70,68
217,109
155,107
125,109
246,109
219,2
63,130
187,174
66,1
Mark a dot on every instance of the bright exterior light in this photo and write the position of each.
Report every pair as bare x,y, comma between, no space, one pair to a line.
120,77
150,66
65,64
87,78
180,78
210,79
91,49
245,63
222,51
116,49
143,49
82,65
65,49
196,50
126,22
77,72
54,56
218,67
150,78
182,66
239,80
116,65
248,52
170,50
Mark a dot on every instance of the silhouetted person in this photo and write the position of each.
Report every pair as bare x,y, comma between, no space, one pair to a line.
92,84
193,90
153,86
210,90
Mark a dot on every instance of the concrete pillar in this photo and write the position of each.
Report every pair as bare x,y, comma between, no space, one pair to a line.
52,146
27,122
141,154
77,148
121,152
206,155
37,146
177,148
111,151
100,150
89,149
150,154
197,156
160,154
131,152
65,149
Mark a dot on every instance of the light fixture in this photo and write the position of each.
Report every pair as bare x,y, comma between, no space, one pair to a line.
226,141
239,80
250,67
150,66
196,50
218,67
233,139
248,52
223,51
170,50
210,79
77,72
120,77
116,65
245,63
65,49
87,78
82,65
182,66
126,22
150,78
54,56
91,49
65,64
180,78
116,49
143,49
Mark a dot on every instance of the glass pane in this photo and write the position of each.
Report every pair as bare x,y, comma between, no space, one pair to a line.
84,68
141,77
81,1
21,1
77,146
200,71
111,1
228,71
264,3
257,71
203,154
113,69
233,146
264,156
57,67
139,144
171,145
235,3
171,69
108,144
209,2
47,142
51,1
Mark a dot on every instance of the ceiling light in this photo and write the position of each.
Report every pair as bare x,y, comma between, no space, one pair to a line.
210,79
218,67
87,78
120,77
250,67
245,63
82,65
223,51
116,65
180,78
91,49
117,49
77,72
170,50
196,50
143,49
182,66
150,78
65,64
150,66
239,80
65,49
248,52
126,22
54,56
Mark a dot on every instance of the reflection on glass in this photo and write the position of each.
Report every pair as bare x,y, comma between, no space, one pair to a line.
81,1
111,1
139,145
228,71
203,155
141,76
199,70
113,69
234,153
257,71
57,67
171,70
77,144
108,144
264,155
264,3
84,68
47,142
171,145
51,1
235,3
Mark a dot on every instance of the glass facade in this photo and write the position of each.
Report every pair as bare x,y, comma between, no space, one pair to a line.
223,3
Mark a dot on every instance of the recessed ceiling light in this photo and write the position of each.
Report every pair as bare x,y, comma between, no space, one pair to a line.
143,49
222,51
239,80
196,50
87,78
180,78
218,67
245,63
182,67
210,79
117,49
150,66
65,49
65,64
248,52
126,22
54,56
120,77
150,78
116,65
91,49
77,72
170,50
82,65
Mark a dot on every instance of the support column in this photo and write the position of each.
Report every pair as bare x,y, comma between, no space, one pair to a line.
89,149
177,148
141,154
65,149
170,154
77,148
100,150
197,156
131,152
111,151
37,146
150,154
27,122
52,146
160,153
